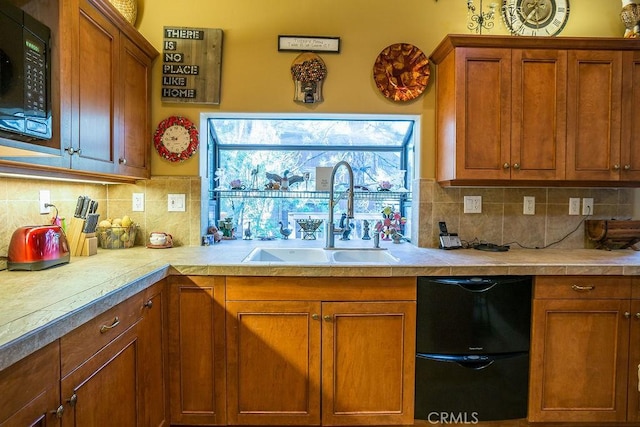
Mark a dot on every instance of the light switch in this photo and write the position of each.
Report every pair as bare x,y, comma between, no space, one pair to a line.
177,202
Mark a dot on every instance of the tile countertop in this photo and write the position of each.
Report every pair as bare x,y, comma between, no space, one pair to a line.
39,307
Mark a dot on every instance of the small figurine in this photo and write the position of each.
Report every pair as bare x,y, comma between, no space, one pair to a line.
247,232
284,231
345,226
285,181
365,230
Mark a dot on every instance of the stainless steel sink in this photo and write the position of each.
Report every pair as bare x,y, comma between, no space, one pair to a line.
290,255
363,256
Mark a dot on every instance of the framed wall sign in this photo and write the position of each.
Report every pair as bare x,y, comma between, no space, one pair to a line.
309,44
191,62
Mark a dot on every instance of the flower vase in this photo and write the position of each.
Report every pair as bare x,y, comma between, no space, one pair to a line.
128,9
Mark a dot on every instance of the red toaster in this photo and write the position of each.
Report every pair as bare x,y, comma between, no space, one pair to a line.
37,247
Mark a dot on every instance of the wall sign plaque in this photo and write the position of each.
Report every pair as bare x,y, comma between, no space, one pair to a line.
309,44
191,63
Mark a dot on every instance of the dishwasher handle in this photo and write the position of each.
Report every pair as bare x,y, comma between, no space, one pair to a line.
469,361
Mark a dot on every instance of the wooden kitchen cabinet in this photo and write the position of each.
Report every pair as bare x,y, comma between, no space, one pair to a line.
500,113
515,111
309,351
197,360
30,390
581,348
594,115
102,82
112,367
108,74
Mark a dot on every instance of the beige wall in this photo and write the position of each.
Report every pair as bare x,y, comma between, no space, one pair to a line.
256,77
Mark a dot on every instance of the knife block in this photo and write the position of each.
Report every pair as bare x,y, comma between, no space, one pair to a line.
81,244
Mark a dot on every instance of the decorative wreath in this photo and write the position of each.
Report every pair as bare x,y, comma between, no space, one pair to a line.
193,139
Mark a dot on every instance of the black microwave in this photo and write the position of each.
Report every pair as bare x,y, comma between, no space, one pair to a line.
25,75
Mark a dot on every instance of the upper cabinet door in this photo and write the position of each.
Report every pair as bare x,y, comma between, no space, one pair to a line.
483,110
538,121
95,92
594,114
133,128
630,146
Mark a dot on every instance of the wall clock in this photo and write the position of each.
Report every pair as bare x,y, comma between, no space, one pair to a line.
535,17
176,139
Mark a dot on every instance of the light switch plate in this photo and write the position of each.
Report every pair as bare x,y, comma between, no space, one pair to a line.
529,205
44,199
472,204
137,202
176,202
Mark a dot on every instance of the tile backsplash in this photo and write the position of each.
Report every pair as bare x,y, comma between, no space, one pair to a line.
501,220
19,205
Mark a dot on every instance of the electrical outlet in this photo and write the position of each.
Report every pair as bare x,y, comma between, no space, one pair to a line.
574,206
472,204
587,206
137,202
45,199
176,203
529,205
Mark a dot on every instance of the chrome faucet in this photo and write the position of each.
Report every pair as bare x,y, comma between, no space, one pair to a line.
332,202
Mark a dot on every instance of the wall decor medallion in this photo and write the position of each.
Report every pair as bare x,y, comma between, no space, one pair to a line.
176,139
308,71
128,9
535,17
401,72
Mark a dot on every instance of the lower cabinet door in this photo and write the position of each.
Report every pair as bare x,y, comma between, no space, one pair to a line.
30,390
103,390
197,371
273,355
579,358
368,360
633,388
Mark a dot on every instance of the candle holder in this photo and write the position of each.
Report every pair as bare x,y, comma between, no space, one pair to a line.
479,19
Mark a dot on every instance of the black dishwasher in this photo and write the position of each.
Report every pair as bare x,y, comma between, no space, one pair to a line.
472,348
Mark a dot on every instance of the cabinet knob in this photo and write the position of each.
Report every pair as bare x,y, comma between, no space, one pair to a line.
516,166
327,318
506,165
59,411
315,316
73,400
148,304
627,315
122,161
616,167
627,167
637,315
73,151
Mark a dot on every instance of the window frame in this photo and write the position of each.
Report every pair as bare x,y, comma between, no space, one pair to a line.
209,159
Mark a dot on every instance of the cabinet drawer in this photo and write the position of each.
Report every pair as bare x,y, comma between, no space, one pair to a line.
84,341
582,287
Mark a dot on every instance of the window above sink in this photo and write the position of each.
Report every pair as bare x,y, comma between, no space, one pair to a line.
246,151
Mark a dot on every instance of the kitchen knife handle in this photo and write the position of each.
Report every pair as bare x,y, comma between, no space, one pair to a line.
79,207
